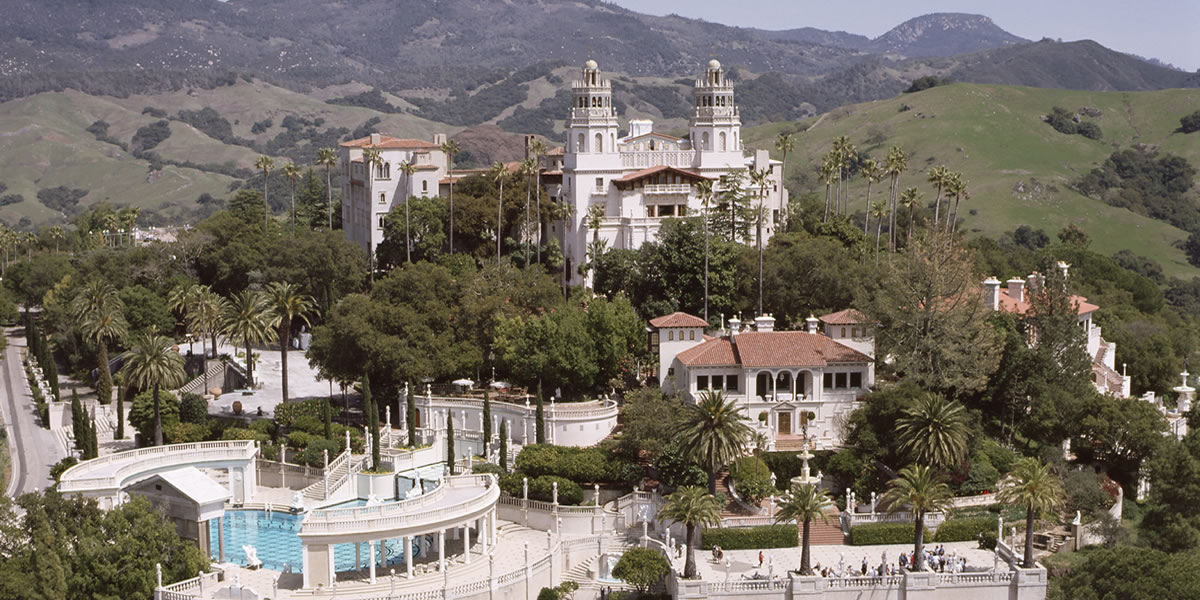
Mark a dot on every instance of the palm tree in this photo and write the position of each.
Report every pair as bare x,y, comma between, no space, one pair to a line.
527,170
828,164
917,489
933,431
327,157
292,174
714,434
897,162
536,149
200,307
846,154
564,213
498,173
408,168
692,507
804,503
209,306
594,218
246,318
128,220
1032,485
153,364
870,172
100,316
760,177
910,199
784,143
940,177
879,211
958,190
287,304
705,190
450,148
265,163
56,234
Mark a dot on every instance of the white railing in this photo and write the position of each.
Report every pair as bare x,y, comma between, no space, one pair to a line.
974,578
141,460
754,521
667,188
865,582
189,589
644,159
215,368
980,500
932,520
405,512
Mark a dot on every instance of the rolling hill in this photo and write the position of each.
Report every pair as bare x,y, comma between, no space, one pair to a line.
1018,168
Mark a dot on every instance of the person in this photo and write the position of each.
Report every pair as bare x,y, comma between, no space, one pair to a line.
903,560
760,558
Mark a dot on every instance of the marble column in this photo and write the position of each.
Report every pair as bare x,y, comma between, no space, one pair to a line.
408,559
467,542
442,550
371,558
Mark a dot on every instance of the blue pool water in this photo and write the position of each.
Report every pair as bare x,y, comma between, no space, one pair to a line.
275,537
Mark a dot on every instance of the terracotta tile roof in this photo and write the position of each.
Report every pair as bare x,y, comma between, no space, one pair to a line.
712,353
636,175
678,319
425,167
849,316
559,151
389,142
1020,307
792,348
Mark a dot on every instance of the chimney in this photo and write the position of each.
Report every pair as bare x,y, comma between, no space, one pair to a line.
764,323
1016,289
375,139
811,323
640,127
439,138
735,325
991,292
1033,282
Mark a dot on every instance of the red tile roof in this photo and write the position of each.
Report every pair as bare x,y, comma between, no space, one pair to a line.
771,349
636,175
849,316
678,319
389,142
1020,307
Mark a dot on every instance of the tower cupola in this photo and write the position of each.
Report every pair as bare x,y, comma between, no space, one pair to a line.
715,124
593,119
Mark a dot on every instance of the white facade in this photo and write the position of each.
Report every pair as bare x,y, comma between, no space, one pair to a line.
645,176
368,196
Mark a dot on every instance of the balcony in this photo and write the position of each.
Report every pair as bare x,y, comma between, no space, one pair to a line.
667,188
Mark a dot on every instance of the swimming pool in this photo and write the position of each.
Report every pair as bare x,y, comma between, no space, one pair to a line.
275,537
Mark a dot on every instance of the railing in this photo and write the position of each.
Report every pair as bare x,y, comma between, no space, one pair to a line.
974,578
189,589
754,521
865,582
980,500
401,513
932,520
145,459
745,585
667,188
216,367
643,159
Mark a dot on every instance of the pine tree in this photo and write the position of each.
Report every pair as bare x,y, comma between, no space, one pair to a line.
411,417
372,414
540,421
504,445
450,441
487,421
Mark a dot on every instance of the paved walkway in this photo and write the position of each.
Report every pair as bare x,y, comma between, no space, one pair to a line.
303,382
34,448
745,562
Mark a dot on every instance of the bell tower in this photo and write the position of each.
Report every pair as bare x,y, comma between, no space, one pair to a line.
592,124
715,125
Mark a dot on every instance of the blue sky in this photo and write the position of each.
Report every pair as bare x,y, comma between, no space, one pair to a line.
1163,29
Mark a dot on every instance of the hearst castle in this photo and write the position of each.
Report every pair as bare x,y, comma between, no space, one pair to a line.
640,176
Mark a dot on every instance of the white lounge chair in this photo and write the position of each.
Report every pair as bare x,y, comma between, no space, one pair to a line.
252,560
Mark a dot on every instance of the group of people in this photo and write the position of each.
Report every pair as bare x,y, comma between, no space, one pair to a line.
935,560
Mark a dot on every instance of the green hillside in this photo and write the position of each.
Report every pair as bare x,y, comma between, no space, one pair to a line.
994,135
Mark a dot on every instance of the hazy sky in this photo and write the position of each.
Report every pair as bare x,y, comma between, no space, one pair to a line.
1168,30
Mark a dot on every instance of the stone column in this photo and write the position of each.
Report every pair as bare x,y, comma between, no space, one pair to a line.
220,539
483,533
371,558
442,550
467,542
408,559
357,556
495,515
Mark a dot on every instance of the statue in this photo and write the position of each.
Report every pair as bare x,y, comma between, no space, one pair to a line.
1078,518
298,502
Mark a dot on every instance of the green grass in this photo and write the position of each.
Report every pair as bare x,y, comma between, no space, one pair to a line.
994,135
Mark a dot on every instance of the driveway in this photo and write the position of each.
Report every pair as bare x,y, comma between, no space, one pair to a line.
34,449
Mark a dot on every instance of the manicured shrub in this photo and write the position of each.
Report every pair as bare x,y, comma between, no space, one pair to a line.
987,540
312,454
266,426
299,440
963,530
641,567
59,467
483,467
287,413
584,466
141,413
309,424
186,433
767,536
241,433
193,408
883,533
542,488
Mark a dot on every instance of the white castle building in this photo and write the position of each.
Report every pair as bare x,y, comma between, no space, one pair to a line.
645,176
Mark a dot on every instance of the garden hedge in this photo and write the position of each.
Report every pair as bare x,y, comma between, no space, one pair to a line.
542,488
964,530
584,466
747,538
884,533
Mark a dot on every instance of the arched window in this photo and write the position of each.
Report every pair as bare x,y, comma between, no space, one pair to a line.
382,198
612,141
735,142
721,141
387,170
579,144
762,385
599,143
651,145
425,186
705,142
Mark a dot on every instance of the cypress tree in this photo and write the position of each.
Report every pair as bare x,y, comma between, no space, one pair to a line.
78,423
450,441
487,420
372,414
326,416
120,412
411,417
540,421
52,377
504,445
93,439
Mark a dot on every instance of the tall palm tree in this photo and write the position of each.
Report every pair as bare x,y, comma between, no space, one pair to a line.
594,218
208,308
870,172
804,503
880,212
527,170
408,169
196,303
910,199
180,299
498,173
327,157
292,174
565,214
537,148
938,176
917,489
714,434
846,155
825,171
958,190
265,163
1033,486
933,431
450,148
896,163
153,364
56,234
246,318
760,178
704,189
287,305
128,220
784,143
99,313
693,507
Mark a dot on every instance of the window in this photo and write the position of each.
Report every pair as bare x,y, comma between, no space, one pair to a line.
650,211
856,380
827,381
702,382
721,141
704,141
382,198
599,184
840,380
731,383
599,143
670,335
681,210
425,187
666,210
716,382
691,335
579,143
381,218
843,333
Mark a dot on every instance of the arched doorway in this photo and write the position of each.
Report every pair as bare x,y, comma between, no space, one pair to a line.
762,385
